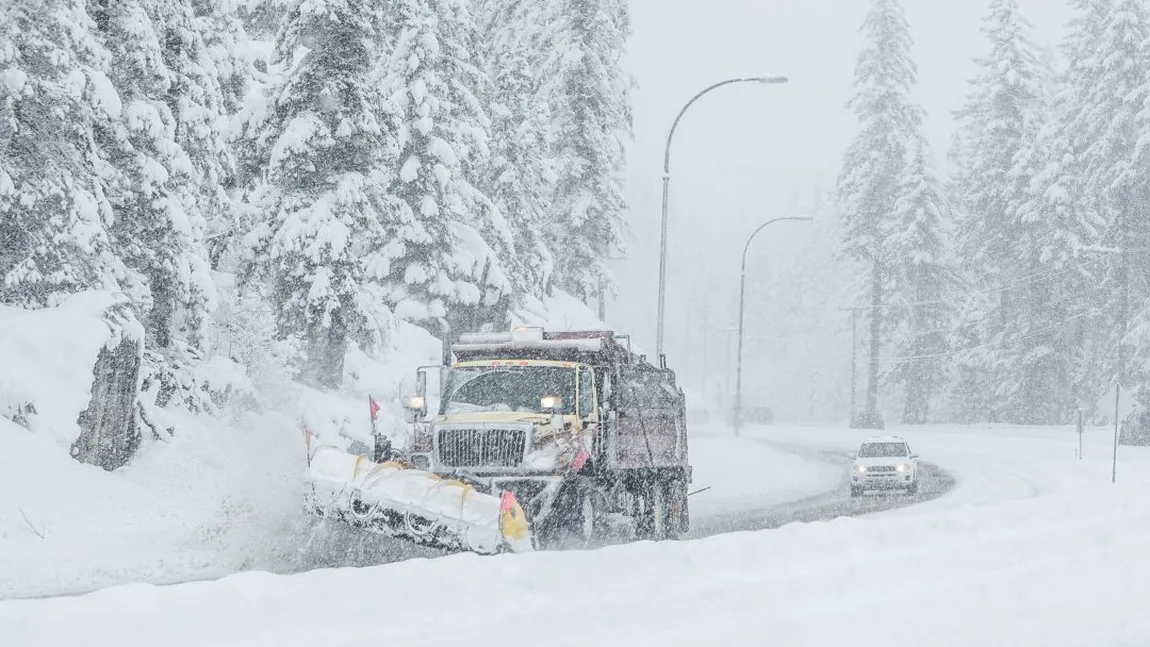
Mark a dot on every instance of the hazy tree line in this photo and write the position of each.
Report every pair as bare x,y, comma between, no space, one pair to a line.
432,160
1018,288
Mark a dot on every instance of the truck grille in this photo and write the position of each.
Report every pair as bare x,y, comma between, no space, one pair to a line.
881,468
481,447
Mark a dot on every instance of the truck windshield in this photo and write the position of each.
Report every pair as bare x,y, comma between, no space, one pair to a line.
882,450
507,388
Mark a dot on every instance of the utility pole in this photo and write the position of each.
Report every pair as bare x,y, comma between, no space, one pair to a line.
1123,323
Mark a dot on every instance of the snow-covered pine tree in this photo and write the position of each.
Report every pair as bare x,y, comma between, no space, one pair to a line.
53,211
321,201
588,93
226,62
519,175
443,258
920,272
1004,95
1117,108
169,159
220,25
1003,103
868,185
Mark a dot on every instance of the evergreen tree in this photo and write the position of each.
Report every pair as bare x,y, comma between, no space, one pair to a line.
445,255
519,176
869,184
999,123
920,272
159,192
588,94
53,210
321,205
1005,94
1116,106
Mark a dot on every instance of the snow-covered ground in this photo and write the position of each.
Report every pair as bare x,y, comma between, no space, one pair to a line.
1034,546
223,495
220,500
1058,558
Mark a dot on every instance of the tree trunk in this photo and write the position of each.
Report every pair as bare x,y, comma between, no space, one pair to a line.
109,431
875,338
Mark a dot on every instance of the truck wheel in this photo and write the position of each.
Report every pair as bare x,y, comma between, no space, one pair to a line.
574,522
679,511
582,518
654,513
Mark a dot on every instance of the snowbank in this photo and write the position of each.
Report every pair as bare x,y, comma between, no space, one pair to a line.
48,355
222,495
1043,571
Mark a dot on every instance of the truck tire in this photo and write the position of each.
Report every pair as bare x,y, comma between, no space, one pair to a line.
655,519
574,522
680,512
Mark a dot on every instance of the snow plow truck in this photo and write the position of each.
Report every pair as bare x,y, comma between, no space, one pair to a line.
539,440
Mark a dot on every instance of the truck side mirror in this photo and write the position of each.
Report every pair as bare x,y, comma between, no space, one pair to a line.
414,408
421,384
853,455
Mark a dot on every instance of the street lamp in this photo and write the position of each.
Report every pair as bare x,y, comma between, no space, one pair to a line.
742,293
766,80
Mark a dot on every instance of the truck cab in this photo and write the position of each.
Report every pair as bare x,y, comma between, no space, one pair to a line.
573,423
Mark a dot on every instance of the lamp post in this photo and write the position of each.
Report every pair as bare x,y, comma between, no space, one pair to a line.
742,294
766,80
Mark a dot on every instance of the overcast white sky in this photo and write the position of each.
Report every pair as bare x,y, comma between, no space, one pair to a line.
747,153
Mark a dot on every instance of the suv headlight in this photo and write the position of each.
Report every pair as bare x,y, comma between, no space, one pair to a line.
903,468
861,469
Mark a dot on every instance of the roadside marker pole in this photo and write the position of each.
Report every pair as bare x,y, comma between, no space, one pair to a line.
1114,466
1080,430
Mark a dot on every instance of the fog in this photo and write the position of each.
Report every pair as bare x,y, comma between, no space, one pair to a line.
748,153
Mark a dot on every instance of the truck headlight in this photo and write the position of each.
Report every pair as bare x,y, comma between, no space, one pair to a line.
861,469
902,468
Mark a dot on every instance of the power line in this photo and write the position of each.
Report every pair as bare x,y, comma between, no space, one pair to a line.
1025,279
911,358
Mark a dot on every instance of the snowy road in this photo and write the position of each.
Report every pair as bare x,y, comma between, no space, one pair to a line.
935,482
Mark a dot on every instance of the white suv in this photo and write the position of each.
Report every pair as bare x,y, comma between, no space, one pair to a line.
884,463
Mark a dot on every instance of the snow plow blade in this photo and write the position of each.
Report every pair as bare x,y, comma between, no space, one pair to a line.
397,500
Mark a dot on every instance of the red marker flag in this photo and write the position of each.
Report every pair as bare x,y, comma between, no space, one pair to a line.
373,406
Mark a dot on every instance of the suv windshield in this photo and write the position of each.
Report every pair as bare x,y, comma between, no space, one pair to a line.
882,450
507,388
